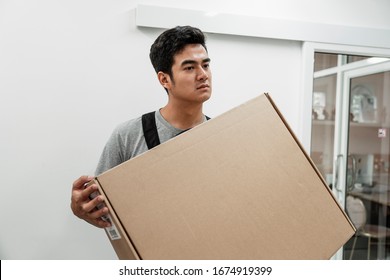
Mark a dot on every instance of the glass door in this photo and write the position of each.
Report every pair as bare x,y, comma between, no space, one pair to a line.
350,102
367,181
323,113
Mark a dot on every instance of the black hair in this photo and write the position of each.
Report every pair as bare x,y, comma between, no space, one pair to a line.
172,42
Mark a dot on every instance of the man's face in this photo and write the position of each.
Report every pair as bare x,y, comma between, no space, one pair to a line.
191,75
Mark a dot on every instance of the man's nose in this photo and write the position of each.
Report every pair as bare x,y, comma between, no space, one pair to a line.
202,74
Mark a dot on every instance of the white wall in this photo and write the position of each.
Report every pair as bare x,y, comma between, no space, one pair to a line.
72,70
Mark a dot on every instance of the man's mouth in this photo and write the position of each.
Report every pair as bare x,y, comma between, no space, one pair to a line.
203,86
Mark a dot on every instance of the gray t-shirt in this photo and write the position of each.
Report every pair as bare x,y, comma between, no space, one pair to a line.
127,141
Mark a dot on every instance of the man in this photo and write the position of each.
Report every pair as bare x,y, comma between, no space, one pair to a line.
180,59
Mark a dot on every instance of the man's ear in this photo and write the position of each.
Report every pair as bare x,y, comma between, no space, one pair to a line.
164,79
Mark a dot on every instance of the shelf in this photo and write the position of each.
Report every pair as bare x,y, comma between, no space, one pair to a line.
324,122
378,125
354,124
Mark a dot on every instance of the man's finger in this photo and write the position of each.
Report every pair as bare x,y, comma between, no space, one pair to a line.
80,182
93,204
88,191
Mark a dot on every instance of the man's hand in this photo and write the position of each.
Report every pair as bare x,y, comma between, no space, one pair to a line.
86,208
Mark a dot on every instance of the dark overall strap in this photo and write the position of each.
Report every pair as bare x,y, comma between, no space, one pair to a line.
150,130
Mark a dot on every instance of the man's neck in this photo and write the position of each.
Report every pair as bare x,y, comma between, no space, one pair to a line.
183,117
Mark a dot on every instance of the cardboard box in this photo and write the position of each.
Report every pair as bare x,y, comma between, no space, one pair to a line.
239,186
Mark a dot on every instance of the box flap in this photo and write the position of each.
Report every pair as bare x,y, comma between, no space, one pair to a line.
308,157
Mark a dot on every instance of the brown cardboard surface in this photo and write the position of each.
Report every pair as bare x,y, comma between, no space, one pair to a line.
236,187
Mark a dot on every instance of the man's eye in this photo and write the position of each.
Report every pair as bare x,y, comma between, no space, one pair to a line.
189,68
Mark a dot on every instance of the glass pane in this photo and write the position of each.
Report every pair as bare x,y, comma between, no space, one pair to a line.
324,61
322,139
368,167
354,58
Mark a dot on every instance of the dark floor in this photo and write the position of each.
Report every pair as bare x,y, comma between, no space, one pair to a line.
360,252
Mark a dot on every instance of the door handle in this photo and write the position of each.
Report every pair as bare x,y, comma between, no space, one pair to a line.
351,184
336,180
